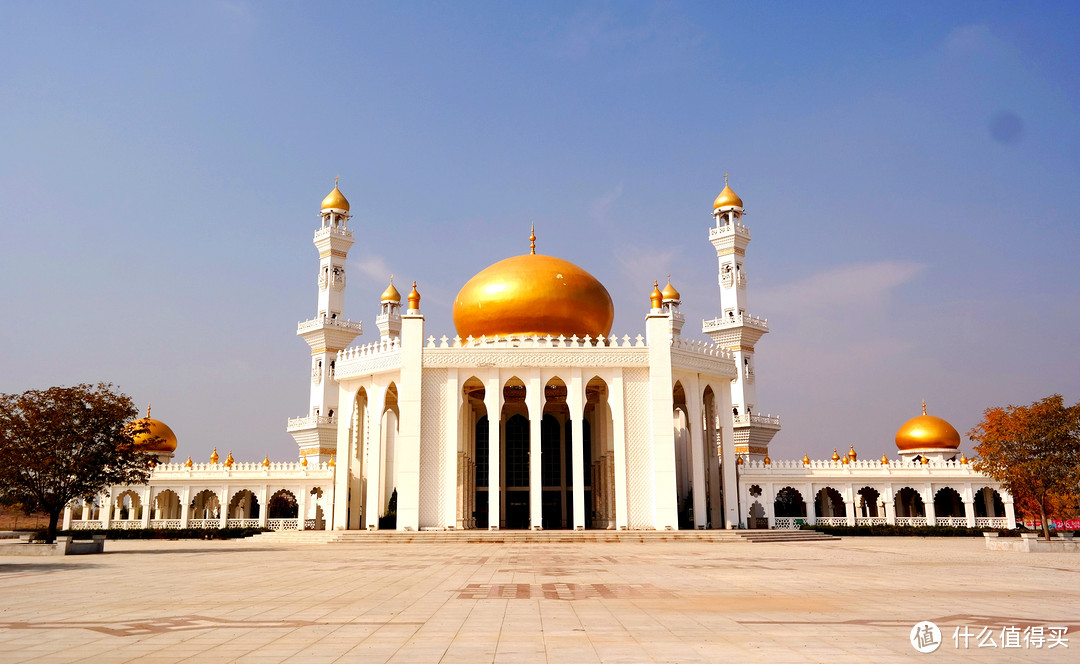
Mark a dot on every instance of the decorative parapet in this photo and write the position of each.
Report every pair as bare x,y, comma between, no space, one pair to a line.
729,229
254,469
330,230
792,467
326,321
537,341
363,359
763,420
741,320
310,421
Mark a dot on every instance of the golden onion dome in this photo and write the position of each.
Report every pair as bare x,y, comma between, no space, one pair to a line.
391,294
669,292
851,453
656,298
155,436
533,294
727,198
414,298
335,200
835,456
927,432
214,456
806,459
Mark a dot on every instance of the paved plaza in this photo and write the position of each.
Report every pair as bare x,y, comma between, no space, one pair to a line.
854,599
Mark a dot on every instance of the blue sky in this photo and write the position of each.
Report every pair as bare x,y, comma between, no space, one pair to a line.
909,170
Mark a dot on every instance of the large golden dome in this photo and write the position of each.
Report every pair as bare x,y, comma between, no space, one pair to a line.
335,200
533,294
927,432
156,437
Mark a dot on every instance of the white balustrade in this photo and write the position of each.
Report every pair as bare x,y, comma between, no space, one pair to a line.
788,522
282,524
912,521
204,523
327,231
991,522
735,321
170,524
242,523
310,421
832,520
956,521
869,521
327,321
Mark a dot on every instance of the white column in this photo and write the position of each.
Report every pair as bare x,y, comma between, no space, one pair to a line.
1010,511
575,399
148,506
734,515
344,458
692,389
264,507
223,507
811,508
534,399
770,503
661,407
185,506
66,524
107,504
407,445
301,507
453,463
849,505
373,470
618,430
928,501
493,400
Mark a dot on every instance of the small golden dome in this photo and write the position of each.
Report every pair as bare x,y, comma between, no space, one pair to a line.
335,200
669,292
229,460
927,432
533,294
331,462
925,460
835,456
214,456
727,198
303,462
188,462
845,460
656,298
266,461
806,459
963,459
414,297
851,453
884,459
391,294
155,438
768,461
739,461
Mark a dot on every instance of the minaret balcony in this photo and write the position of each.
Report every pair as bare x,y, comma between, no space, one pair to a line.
326,322
745,420
733,321
329,231
717,232
311,421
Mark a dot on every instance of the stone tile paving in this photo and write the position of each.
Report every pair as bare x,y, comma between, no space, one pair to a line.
849,600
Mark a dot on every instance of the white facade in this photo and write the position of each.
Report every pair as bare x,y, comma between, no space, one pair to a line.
645,431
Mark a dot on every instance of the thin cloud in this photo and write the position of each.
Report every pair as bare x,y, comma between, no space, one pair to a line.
848,285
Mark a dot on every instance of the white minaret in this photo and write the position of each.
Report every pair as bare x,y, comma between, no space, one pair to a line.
389,319
737,330
327,333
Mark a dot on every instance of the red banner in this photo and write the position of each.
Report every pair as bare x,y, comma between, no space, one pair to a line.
1055,524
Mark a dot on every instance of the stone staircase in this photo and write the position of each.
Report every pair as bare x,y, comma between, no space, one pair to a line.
533,537
756,536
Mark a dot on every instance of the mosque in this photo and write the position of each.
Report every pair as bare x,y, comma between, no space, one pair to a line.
533,415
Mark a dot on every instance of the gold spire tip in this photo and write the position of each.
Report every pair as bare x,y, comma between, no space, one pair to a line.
532,239
148,405
336,178
924,406
725,179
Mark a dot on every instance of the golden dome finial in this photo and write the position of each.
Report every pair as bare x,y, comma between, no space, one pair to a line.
148,405
851,453
266,461
739,461
229,460
845,460
806,459
656,298
924,406
214,456
188,462
725,180
768,461
884,459
963,459
331,462
532,239
414,297
303,462
835,456
925,460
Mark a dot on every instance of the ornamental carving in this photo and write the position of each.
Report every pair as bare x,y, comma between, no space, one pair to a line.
558,358
339,278
322,279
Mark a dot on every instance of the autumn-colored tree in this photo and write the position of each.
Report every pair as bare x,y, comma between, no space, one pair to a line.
1034,451
64,443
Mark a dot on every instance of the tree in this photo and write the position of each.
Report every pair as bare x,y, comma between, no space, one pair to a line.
65,443
1034,451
